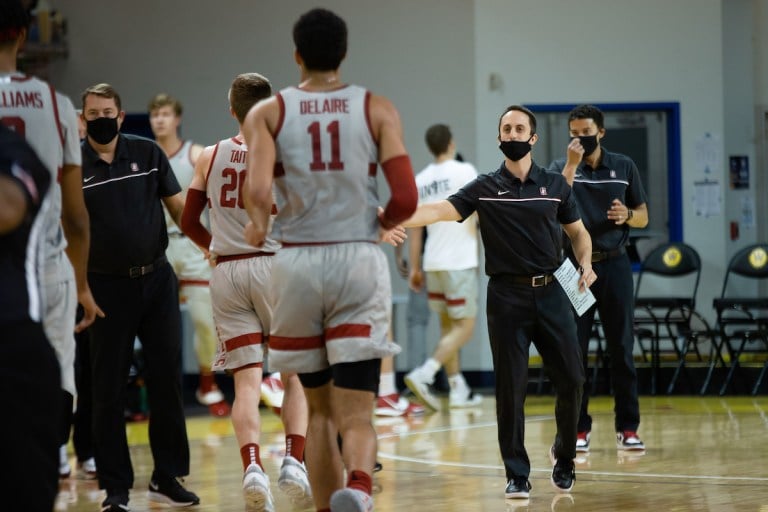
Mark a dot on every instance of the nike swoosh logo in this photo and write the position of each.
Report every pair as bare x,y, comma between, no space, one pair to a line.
502,192
153,486
86,180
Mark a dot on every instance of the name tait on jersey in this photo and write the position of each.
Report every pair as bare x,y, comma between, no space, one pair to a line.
25,99
436,187
328,106
237,156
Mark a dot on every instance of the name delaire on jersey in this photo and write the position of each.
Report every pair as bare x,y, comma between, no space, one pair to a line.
26,99
238,156
327,106
436,187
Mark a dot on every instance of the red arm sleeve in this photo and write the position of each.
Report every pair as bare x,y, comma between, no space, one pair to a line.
402,203
190,218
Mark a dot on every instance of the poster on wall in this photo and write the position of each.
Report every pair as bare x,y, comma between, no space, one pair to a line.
739,167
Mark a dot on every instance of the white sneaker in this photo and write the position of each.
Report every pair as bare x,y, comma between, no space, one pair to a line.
351,500
464,398
294,482
214,396
86,470
64,469
418,382
256,490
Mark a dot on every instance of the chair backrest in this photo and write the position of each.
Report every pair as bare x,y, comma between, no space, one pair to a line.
751,262
674,259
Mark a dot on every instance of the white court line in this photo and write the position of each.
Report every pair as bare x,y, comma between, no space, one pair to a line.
433,462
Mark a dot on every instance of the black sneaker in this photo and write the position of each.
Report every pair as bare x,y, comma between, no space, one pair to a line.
169,491
563,476
518,487
117,501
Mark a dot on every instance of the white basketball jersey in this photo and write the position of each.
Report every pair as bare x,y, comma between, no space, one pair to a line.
325,174
449,245
184,169
224,183
48,121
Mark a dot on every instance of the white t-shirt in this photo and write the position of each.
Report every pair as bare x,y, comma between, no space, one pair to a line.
450,245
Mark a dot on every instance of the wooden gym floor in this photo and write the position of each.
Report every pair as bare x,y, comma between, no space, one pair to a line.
703,453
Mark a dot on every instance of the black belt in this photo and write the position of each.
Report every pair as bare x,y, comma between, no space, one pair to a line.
143,270
598,256
532,281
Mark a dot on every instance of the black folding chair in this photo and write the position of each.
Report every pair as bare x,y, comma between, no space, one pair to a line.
742,312
665,300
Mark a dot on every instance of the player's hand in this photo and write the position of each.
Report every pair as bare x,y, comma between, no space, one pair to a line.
211,257
416,279
254,236
394,236
90,310
402,267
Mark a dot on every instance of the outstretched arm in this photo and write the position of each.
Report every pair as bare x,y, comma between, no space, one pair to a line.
582,249
429,213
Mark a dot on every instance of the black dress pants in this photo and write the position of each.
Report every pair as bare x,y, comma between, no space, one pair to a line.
147,307
517,315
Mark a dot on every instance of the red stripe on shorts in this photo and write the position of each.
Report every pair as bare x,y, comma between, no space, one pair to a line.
289,343
348,331
435,296
245,340
448,302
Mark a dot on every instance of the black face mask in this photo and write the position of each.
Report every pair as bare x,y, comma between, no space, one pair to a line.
102,129
515,149
589,143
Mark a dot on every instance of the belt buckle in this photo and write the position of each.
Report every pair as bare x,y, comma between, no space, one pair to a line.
135,272
538,281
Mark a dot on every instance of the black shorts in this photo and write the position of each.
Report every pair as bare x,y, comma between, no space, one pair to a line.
360,376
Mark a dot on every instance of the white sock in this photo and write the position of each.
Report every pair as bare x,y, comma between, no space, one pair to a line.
457,382
387,384
432,366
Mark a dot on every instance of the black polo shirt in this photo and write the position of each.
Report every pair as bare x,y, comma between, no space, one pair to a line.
520,222
19,249
616,177
124,203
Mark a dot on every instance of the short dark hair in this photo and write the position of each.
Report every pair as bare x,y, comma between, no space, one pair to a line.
164,100
587,112
247,90
13,19
105,91
519,108
320,37
438,138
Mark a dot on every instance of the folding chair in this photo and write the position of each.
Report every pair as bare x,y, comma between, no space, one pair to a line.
661,315
742,316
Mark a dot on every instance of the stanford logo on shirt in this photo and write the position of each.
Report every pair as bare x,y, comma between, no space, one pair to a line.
613,173
542,191
134,167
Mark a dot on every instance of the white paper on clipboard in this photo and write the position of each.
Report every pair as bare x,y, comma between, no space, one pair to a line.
568,277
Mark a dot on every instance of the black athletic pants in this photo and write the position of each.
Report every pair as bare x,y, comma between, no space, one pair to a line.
518,314
147,307
614,291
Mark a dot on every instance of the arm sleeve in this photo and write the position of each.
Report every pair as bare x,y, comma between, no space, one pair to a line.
190,218
402,203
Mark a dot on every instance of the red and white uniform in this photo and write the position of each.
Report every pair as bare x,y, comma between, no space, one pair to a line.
241,281
48,121
333,298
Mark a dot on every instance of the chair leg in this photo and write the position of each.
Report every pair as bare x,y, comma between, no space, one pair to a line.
715,355
680,365
734,366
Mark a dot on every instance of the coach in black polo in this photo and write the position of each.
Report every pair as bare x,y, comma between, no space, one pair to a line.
522,211
126,181
611,198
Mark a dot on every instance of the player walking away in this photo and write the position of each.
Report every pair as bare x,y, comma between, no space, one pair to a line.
240,284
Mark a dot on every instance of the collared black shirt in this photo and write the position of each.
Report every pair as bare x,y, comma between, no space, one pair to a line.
616,177
520,222
124,201
19,249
